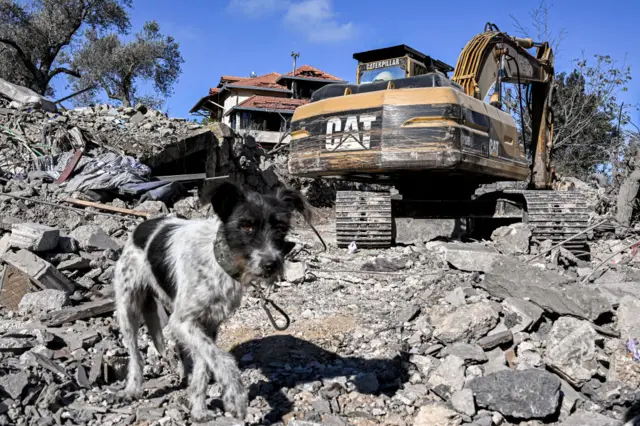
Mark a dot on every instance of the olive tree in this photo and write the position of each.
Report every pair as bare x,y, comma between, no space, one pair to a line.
37,36
118,68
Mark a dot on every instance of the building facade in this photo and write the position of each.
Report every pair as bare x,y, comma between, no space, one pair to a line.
262,106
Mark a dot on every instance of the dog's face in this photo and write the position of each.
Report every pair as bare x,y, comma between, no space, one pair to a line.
255,226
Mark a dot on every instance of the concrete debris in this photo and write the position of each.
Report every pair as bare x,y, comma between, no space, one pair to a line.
513,239
42,302
528,394
571,350
34,237
434,333
585,418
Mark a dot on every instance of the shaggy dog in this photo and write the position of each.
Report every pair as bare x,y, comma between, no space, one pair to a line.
198,269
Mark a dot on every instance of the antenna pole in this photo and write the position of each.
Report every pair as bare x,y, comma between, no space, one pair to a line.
295,56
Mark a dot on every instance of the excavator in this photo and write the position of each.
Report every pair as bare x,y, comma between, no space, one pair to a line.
434,146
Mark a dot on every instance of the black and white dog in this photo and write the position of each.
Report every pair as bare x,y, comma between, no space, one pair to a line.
198,269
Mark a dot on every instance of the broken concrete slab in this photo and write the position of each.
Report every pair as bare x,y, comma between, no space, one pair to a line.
43,301
86,310
34,237
585,418
526,394
417,230
14,384
520,314
470,353
492,341
469,322
513,239
629,318
614,291
93,238
41,272
549,290
571,350
471,257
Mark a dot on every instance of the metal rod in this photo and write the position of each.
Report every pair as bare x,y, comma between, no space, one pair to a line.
569,239
73,209
608,259
80,92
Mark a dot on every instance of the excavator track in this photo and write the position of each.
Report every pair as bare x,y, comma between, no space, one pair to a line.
557,215
364,217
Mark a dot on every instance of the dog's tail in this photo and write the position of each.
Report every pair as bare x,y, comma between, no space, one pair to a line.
155,318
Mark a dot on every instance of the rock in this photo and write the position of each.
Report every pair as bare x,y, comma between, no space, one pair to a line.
76,263
549,290
527,394
456,297
615,291
450,374
34,237
623,368
520,314
585,418
463,402
470,353
294,272
5,243
153,207
425,364
470,322
513,239
93,238
44,301
39,270
436,415
67,244
629,318
137,118
571,350
494,340
471,257
14,384
410,230
609,393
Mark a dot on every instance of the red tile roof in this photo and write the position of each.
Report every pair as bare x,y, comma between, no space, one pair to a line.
214,91
267,81
272,103
312,72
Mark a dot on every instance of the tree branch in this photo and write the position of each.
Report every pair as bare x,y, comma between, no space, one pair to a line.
23,57
57,71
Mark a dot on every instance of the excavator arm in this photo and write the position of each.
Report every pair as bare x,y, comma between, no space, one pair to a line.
493,58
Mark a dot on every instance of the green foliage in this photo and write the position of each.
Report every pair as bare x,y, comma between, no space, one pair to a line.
36,36
119,67
587,115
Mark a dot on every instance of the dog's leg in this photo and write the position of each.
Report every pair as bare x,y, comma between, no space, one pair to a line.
128,307
129,320
220,363
198,386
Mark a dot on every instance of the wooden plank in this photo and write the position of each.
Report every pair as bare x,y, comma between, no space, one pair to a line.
107,208
86,310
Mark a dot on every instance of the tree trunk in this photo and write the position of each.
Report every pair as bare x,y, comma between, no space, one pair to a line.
626,197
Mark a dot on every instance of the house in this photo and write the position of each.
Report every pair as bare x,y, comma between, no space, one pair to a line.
262,106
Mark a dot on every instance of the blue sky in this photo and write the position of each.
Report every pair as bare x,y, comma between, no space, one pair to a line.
236,37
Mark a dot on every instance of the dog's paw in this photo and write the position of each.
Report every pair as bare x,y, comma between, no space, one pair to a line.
202,415
236,402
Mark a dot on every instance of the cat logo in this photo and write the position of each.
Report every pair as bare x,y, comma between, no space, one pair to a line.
355,136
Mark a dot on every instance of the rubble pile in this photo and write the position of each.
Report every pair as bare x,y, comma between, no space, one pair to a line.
508,331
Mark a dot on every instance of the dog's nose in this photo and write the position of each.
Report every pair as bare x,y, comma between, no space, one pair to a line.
270,267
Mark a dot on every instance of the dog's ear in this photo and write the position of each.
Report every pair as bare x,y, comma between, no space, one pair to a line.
224,198
295,201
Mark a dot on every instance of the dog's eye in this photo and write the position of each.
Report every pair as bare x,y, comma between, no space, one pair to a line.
247,227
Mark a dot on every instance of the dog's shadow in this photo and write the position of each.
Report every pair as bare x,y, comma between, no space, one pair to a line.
288,362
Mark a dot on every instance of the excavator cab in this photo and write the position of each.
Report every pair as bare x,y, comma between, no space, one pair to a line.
395,62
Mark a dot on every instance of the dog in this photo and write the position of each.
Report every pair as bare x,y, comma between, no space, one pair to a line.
198,270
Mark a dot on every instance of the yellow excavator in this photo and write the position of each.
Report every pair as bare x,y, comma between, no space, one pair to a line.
447,145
